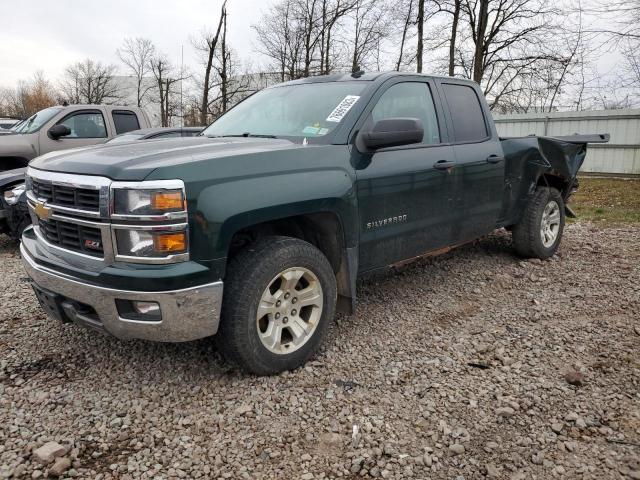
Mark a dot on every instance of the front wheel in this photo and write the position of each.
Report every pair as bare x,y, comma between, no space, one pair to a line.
279,299
539,231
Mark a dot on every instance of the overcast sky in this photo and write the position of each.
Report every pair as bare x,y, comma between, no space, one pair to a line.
44,35
48,36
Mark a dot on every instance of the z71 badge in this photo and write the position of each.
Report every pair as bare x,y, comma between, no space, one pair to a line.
92,244
384,222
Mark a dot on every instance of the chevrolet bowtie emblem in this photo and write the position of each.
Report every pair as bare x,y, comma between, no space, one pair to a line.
42,211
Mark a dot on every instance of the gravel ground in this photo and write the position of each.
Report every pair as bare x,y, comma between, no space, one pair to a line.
470,365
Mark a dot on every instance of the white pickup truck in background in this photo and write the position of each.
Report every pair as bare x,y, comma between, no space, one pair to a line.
63,127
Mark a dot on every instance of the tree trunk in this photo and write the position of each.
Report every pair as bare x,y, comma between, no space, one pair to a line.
404,35
204,106
224,81
454,33
478,57
420,21
322,36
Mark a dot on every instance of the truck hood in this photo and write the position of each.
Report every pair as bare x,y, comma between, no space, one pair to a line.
136,160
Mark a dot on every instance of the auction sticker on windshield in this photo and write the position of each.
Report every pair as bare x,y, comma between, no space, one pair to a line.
343,107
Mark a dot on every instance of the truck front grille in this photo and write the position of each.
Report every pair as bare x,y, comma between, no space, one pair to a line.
80,198
72,236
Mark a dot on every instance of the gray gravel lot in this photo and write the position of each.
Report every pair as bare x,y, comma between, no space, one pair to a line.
455,367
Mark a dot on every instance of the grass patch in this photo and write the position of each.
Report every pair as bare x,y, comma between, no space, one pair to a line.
607,201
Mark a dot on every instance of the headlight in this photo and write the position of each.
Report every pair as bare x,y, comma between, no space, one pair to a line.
148,202
151,243
149,221
12,196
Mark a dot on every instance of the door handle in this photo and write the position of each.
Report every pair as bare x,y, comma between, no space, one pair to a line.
494,159
444,164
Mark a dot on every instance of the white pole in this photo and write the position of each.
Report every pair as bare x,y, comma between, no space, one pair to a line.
181,80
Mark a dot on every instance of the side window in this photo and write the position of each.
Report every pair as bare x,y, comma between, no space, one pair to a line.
466,113
410,100
125,121
85,124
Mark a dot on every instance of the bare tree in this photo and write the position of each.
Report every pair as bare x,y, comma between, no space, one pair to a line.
167,78
301,36
232,86
29,97
90,82
208,44
457,4
136,54
370,27
420,23
309,18
332,14
279,39
502,41
406,22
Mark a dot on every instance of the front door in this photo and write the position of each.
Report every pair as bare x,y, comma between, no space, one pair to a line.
406,194
88,127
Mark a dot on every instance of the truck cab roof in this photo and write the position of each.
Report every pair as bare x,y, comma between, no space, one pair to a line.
377,77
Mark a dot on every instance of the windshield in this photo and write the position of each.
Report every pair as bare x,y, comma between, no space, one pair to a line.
127,137
33,123
18,126
307,110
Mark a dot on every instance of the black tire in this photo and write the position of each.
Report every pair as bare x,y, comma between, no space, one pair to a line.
248,276
16,234
527,236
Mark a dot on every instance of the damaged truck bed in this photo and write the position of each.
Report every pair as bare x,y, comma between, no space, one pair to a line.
552,160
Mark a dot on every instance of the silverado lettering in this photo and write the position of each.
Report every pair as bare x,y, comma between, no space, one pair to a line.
386,221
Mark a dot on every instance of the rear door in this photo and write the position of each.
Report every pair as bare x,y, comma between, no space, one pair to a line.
125,121
404,197
88,127
480,162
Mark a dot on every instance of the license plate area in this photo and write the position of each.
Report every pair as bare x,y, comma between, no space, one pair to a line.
51,303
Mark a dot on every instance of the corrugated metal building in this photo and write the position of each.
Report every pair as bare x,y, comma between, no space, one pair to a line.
620,156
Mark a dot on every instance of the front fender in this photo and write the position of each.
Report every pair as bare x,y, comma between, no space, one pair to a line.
226,208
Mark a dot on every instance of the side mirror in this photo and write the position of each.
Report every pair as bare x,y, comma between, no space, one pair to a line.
58,131
393,132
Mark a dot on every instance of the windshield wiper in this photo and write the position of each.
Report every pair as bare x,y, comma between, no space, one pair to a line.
247,134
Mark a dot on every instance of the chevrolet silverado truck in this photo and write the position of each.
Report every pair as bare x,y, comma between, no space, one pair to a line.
49,130
257,231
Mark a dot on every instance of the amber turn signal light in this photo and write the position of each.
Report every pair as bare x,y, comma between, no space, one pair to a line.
170,242
167,201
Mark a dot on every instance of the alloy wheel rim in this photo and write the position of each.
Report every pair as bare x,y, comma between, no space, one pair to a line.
289,310
550,224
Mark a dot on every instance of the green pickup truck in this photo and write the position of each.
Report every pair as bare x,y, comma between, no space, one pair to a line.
256,231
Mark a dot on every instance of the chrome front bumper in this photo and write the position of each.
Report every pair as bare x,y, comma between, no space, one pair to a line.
187,314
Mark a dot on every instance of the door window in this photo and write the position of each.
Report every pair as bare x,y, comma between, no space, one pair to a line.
410,100
125,121
466,113
85,125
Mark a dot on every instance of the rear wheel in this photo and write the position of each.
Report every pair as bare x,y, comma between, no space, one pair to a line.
539,232
279,299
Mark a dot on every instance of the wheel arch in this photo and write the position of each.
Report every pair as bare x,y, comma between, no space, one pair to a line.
323,229
13,162
562,184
